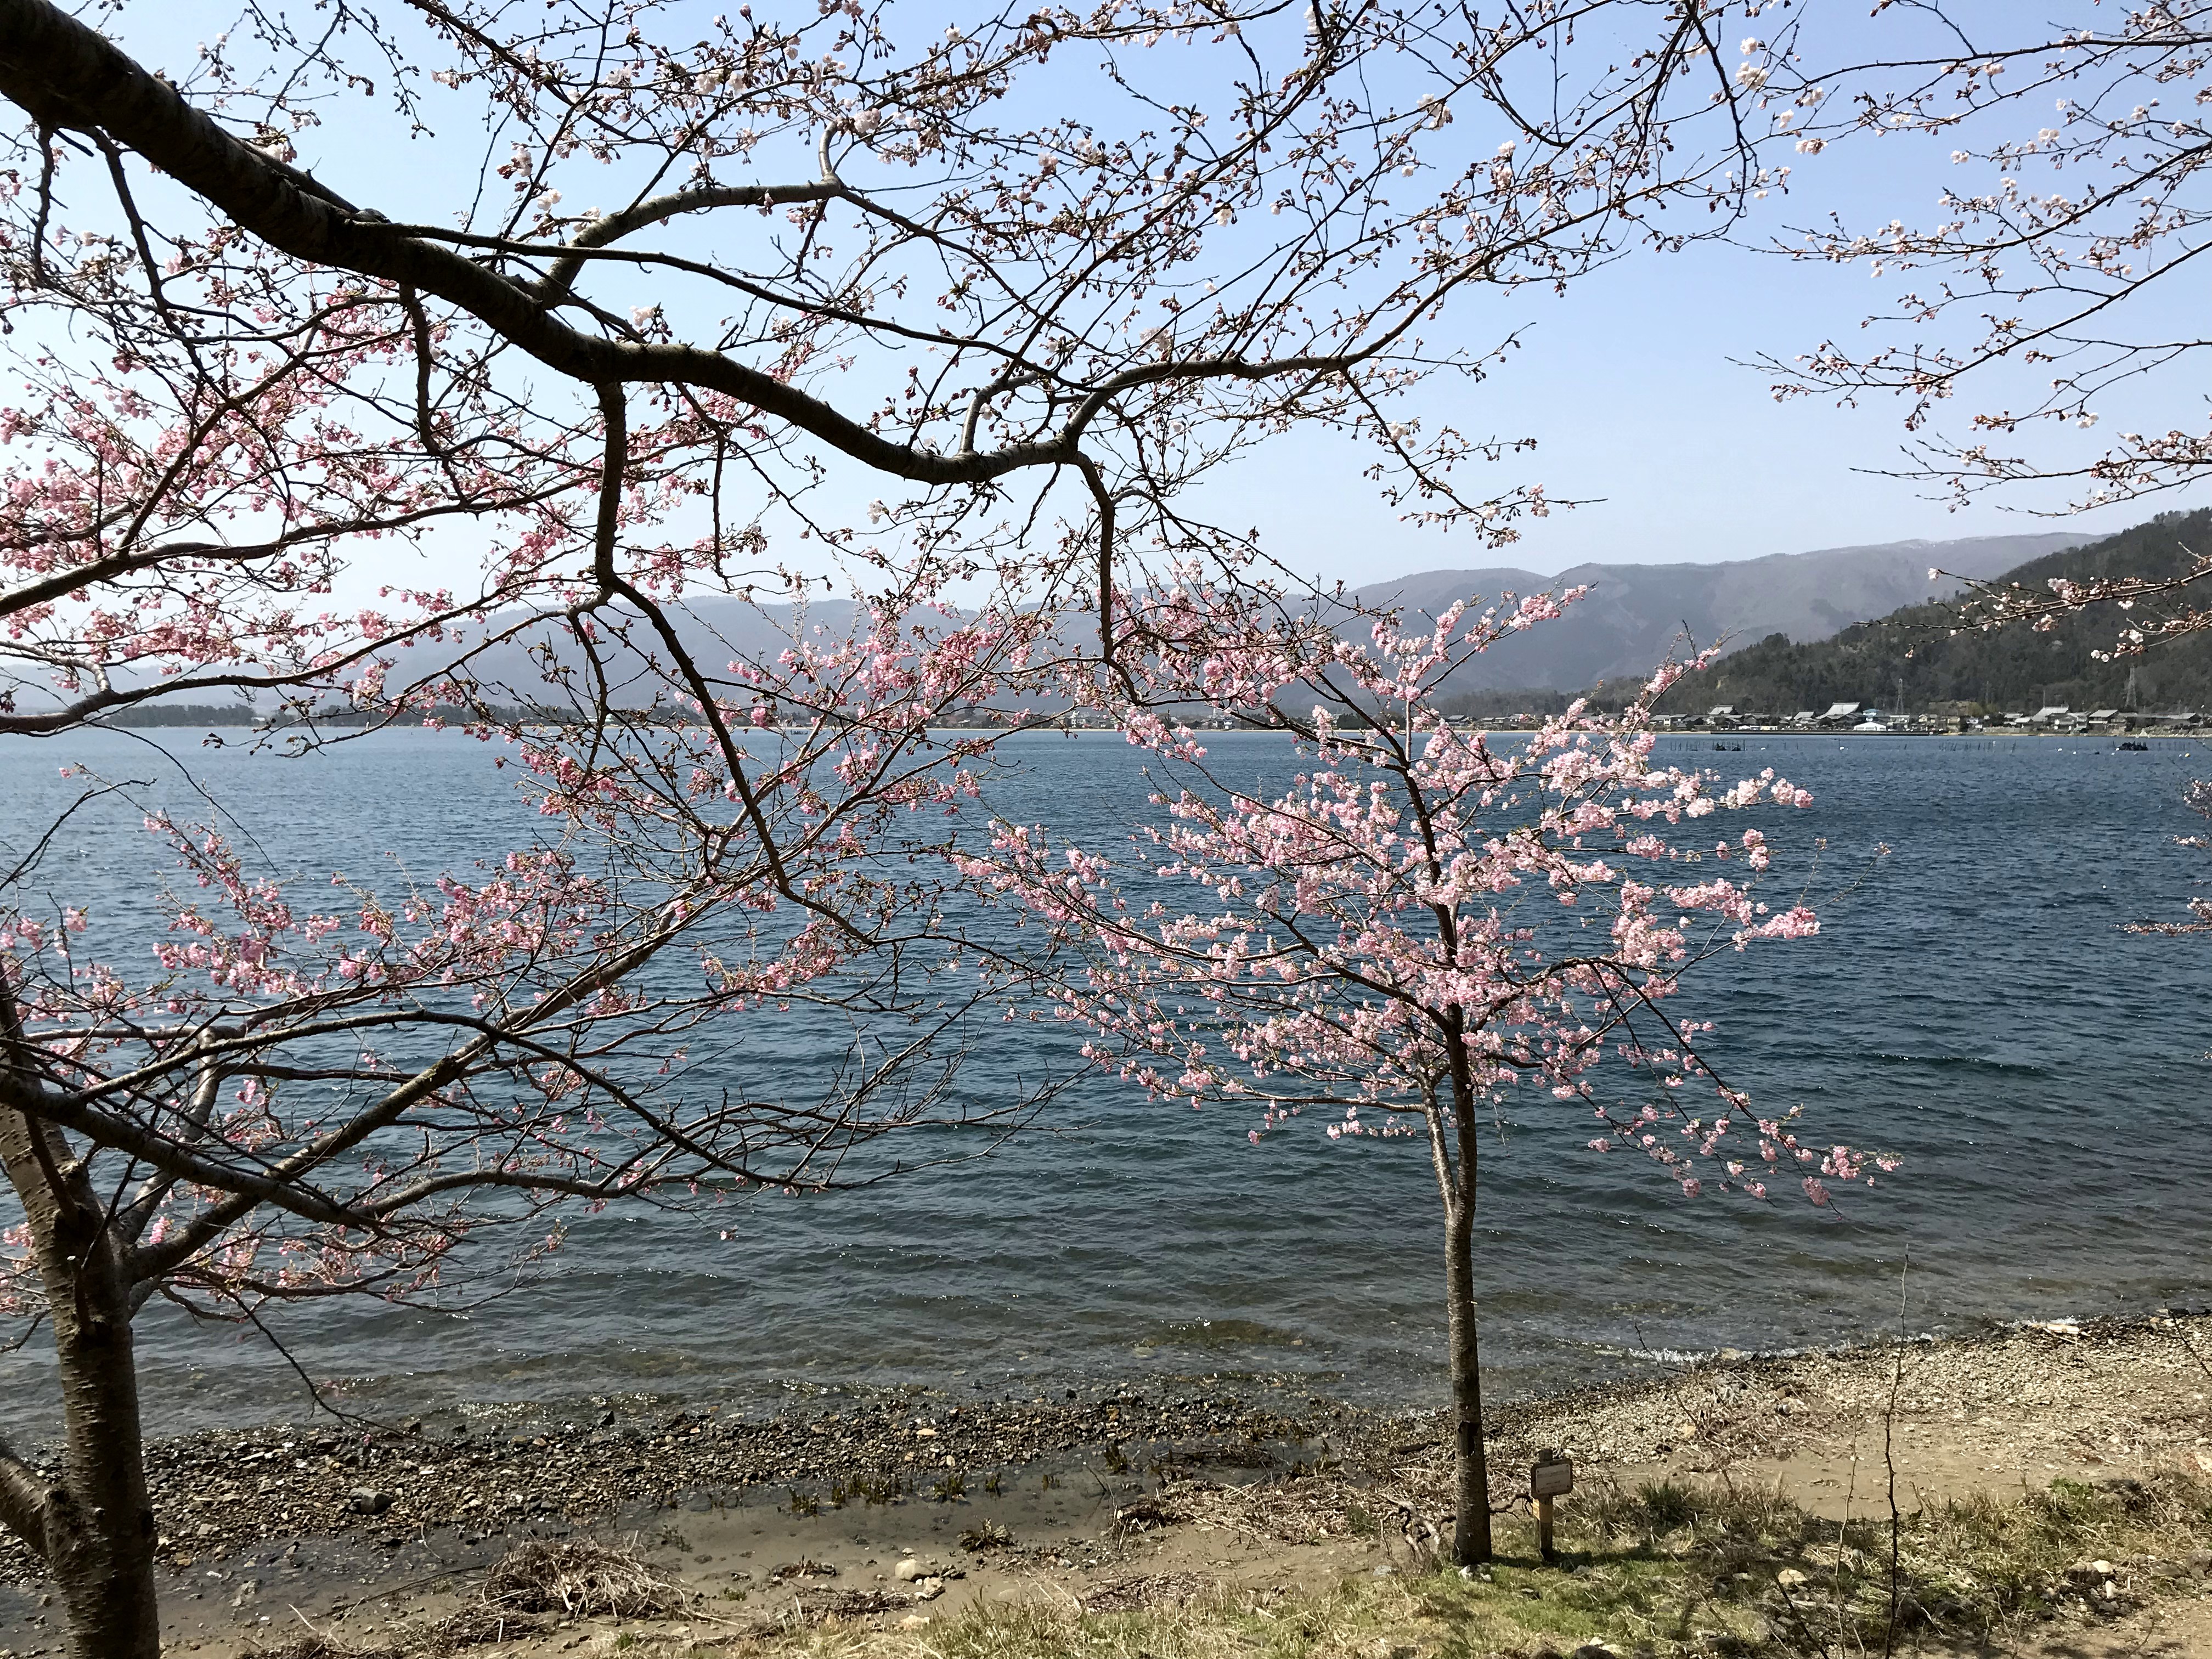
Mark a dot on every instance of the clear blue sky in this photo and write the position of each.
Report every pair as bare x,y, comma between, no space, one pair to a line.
1628,386
1626,383
1631,387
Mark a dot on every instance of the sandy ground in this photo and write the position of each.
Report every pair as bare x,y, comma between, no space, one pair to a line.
2018,1410
1114,1496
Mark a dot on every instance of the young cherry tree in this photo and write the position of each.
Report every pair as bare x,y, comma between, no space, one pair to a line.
1424,928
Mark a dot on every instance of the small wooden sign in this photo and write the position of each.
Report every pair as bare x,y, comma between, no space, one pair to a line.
1551,1476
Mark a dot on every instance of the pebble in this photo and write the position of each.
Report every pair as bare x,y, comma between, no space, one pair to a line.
907,1571
590,1460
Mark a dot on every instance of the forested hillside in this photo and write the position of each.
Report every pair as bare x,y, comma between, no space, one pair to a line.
2010,669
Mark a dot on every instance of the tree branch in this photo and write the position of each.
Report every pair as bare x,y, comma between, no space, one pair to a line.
60,71
603,232
22,1501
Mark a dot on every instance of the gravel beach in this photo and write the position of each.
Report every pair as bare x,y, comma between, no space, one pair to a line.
816,1506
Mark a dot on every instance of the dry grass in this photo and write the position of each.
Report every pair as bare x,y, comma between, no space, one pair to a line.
1304,1510
575,1578
472,1626
1670,1569
1172,1589
815,1607
1969,1570
322,1644
580,1578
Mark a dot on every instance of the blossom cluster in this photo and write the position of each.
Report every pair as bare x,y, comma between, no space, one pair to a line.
1429,922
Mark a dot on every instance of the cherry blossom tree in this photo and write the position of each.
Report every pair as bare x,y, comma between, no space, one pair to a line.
319,1088
2038,287
876,363
1425,928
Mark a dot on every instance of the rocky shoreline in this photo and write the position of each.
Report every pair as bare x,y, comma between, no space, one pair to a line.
353,1513
482,1473
478,1471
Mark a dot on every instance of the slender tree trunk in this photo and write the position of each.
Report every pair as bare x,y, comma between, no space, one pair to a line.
1471,1487
1455,1166
1470,1541
92,1524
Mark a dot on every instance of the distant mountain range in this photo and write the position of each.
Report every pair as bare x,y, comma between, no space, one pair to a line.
1638,613
1635,615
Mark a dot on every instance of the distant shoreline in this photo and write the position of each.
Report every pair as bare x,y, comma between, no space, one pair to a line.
2192,733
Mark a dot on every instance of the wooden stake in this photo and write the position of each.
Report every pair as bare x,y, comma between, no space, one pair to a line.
1544,1530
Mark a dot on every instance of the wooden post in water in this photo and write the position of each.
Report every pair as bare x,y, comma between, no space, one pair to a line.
1551,1476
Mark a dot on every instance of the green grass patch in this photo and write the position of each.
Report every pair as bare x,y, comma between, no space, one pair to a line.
1668,1569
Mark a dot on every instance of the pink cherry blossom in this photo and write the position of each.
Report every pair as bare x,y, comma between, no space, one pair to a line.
1426,925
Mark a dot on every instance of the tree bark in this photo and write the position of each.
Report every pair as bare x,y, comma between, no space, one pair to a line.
1471,1543
92,1524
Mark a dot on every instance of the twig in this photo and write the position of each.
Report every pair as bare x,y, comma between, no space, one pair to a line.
2181,1336
1889,1459
1803,1623
1843,1536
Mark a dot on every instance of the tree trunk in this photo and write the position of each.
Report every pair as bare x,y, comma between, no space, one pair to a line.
99,1522
1471,1487
92,1525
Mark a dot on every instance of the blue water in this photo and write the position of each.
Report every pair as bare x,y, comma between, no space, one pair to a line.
1971,1003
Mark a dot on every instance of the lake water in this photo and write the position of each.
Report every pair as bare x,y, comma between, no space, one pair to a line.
1972,1006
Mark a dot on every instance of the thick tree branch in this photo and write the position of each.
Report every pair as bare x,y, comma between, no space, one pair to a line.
22,1501
604,232
58,69
283,1189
